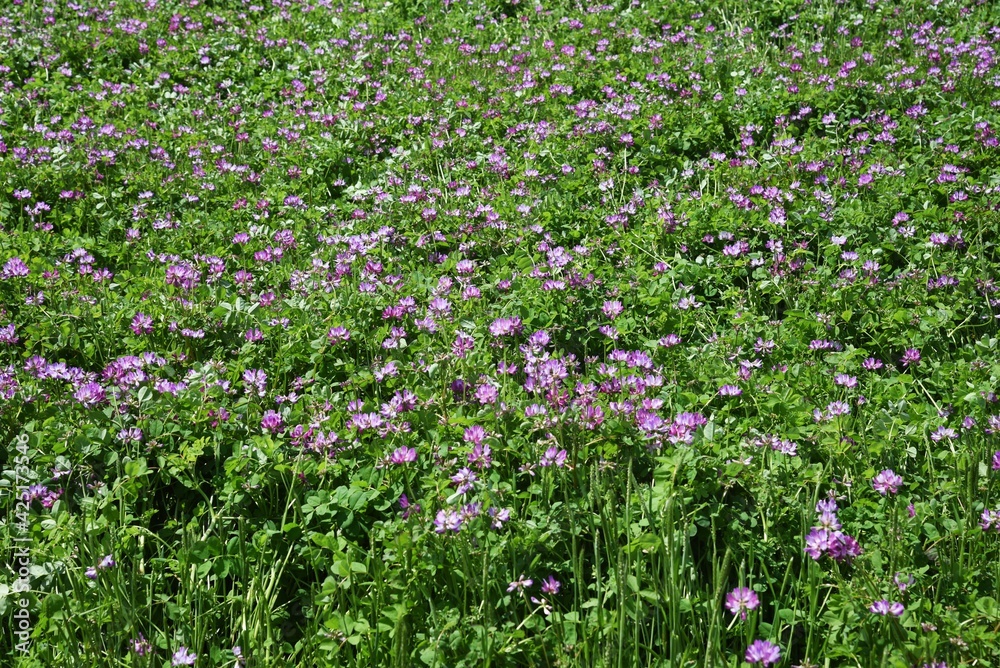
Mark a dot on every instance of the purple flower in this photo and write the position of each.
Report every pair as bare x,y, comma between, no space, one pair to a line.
183,657
539,340
845,380
481,456
885,607
338,335
255,379
837,408
520,584
887,482
942,433
50,498
543,604
390,370
828,520
500,516
506,327
403,455
823,344
14,268
553,457
469,511
130,435
591,416
669,341
872,364
474,434
612,309
396,338
740,600
408,508
487,394
141,646
817,543
447,520
272,422
465,480
90,395
142,324
242,277
910,357
34,492
550,585
546,376
784,446
688,302
990,519
184,275
843,547
763,652
996,460
463,344
730,391
826,505
690,420
8,335
295,202
736,249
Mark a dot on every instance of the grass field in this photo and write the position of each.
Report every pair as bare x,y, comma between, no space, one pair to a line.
497,333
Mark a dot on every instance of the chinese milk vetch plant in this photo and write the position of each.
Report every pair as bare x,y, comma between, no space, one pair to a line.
467,333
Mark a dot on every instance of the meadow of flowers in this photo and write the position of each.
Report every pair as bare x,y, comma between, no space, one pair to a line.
497,333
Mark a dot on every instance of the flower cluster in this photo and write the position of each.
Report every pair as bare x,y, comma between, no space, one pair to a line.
826,538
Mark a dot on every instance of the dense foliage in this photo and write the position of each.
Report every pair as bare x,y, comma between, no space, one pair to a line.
492,333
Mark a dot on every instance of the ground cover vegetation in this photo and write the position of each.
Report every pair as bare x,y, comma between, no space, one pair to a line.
500,334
